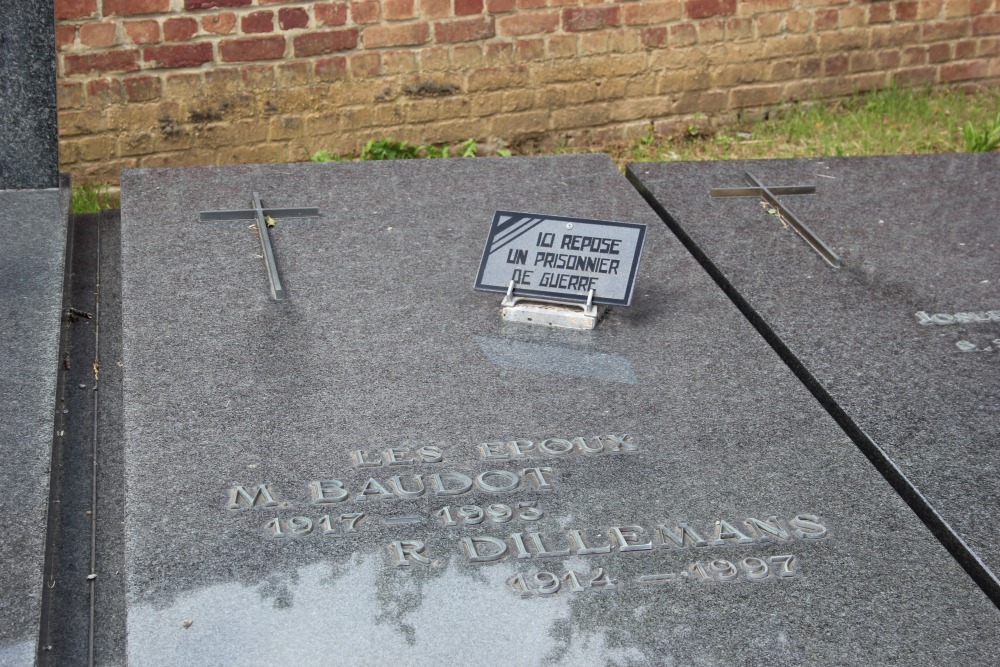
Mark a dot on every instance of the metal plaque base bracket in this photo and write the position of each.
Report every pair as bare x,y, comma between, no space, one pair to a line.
549,312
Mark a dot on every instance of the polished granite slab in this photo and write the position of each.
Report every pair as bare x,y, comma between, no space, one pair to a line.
30,155
378,468
902,343
31,300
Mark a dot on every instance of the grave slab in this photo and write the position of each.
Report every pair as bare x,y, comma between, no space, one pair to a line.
378,468
902,343
31,298
30,156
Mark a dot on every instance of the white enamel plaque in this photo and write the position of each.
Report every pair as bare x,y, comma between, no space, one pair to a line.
561,258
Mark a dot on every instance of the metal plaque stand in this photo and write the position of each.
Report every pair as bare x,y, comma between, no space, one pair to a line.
550,312
264,218
770,195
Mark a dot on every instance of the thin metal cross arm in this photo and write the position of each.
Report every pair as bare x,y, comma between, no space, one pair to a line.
251,213
800,228
756,192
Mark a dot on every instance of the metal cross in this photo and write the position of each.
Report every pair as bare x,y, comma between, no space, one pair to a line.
259,212
770,195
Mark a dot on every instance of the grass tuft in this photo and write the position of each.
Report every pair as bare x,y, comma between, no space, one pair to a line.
885,122
92,198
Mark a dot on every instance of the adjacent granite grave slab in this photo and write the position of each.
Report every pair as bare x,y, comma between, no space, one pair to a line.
378,469
30,155
31,298
903,342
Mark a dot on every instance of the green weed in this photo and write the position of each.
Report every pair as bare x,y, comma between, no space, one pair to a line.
982,139
91,198
324,156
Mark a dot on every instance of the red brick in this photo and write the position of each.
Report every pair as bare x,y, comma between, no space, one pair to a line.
143,31
143,88
365,11
219,24
528,23
179,30
654,38
905,11
939,53
986,25
210,4
331,13
97,34
435,9
964,71
835,65
965,50
133,7
944,30
464,30
410,34
646,13
394,10
106,90
75,9
328,69
530,49
468,7
257,22
318,43
65,36
500,6
178,55
290,18
683,34
879,12
700,9
826,19
530,4
252,48
915,55
578,19
915,76
115,60
365,65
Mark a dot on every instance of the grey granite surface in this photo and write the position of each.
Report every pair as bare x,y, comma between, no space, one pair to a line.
383,345
903,342
31,298
28,128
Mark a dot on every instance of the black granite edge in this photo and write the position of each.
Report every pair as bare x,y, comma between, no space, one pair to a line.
108,637
83,617
58,433
918,503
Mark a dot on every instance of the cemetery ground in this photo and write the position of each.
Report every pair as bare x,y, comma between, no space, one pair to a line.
886,122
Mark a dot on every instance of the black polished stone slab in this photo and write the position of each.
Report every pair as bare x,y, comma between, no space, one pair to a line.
33,239
244,417
28,128
902,344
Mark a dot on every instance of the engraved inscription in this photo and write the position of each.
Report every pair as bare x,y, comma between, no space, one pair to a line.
958,318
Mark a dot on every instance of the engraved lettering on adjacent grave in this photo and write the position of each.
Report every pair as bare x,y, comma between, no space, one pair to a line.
989,342
958,318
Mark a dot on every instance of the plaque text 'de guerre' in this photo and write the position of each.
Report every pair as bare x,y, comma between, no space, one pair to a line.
561,258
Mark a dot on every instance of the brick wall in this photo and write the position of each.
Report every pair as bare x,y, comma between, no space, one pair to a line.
174,82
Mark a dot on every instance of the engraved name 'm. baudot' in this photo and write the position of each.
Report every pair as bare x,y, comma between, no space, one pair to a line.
402,487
